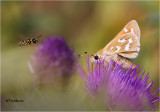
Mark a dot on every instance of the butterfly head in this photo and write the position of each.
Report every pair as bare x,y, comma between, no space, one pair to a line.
94,57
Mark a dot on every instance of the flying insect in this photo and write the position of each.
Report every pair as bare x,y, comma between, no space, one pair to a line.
29,41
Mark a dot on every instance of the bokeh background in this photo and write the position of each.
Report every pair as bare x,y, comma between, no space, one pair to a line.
87,26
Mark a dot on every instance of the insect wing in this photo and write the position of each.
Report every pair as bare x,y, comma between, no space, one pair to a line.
131,27
126,43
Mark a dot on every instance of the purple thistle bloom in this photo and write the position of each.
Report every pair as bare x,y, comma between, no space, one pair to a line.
52,59
123,90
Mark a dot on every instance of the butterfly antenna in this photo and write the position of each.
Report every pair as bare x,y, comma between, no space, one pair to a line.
83,54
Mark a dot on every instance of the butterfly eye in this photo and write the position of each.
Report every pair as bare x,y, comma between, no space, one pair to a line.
96,57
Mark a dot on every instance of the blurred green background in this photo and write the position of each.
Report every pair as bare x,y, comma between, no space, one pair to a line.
87,26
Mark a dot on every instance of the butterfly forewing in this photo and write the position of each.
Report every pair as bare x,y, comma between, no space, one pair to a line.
126,43
131,27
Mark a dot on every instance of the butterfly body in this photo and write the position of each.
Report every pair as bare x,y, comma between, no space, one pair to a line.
125,46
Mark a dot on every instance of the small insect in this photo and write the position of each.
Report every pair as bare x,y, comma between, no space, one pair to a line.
124,46
29,41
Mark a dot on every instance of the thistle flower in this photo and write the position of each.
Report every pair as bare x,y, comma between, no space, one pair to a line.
123,90
53,59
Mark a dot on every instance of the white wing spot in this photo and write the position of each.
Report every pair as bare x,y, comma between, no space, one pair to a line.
127,46
132,30
130,40
118,48
121,41
111,48
125,30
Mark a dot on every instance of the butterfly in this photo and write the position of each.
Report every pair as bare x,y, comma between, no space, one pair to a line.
122,48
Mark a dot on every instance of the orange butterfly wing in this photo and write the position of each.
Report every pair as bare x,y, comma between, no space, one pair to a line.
126,43
127,29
